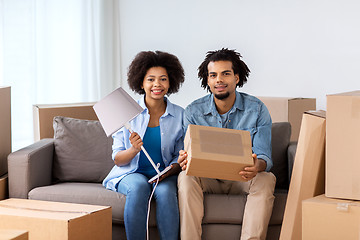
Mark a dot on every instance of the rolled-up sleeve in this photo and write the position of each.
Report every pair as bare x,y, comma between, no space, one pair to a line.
262,137
118,142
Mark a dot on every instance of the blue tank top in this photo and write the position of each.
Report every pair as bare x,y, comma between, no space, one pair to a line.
152,144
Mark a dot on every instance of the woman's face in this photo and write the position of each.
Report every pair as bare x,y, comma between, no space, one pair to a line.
156,83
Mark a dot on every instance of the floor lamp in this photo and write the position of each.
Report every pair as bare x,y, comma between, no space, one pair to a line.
115,111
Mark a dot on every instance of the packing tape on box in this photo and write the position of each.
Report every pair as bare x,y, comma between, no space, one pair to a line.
227,143
355,108
45,210
342,207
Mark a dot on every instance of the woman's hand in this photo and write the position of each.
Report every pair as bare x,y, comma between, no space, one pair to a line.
136,142
175,169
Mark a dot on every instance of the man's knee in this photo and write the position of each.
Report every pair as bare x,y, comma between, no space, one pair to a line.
264,180
187,183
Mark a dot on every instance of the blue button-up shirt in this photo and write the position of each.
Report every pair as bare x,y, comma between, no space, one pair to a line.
172,140
248,113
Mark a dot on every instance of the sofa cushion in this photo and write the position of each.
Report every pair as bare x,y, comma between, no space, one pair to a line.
280,139
82,151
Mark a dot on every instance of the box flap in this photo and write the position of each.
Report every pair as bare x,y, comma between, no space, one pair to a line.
46,209
318,113
352,93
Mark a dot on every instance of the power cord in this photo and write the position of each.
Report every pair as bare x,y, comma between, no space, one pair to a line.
149,203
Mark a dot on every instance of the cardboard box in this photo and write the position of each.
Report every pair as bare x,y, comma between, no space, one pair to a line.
5,127
55,220
308,174
4,189
284,109
342,143
44,115
217,152
330,219
13,235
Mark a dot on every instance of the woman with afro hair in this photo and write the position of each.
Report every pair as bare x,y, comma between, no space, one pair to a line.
159,129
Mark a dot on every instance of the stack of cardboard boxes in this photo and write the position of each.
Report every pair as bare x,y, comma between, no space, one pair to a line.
308,174
336,215
5,137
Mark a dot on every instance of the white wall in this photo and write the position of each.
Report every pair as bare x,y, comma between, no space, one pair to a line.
293,48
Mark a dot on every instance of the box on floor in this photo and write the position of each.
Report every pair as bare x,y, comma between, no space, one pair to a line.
5,127
215,152
285,109
308,174
10,234
56,220
330,219
44,114
342,143
4,187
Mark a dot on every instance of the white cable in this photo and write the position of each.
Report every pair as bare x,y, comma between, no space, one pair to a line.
149,203
128,127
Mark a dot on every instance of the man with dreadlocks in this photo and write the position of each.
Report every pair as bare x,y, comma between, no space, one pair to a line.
220,73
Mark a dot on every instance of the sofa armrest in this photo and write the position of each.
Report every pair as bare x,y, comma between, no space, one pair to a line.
30,167
291,157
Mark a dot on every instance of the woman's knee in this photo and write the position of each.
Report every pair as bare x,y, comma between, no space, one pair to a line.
136,184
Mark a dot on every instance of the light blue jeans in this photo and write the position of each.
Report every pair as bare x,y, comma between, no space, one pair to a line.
138,191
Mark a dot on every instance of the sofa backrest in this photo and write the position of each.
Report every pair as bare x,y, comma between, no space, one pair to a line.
280,140
83,152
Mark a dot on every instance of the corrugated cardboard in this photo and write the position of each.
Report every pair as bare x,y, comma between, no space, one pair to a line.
342,144
5,127
57,221
217,152
14,234
44,115
308,174
285,109
330,219
4,193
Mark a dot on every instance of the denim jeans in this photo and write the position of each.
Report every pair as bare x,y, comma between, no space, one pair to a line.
137,191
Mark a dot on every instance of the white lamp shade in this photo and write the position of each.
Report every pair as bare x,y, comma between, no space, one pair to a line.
115,110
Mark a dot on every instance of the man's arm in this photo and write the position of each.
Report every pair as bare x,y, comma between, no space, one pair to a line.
262,138
183,154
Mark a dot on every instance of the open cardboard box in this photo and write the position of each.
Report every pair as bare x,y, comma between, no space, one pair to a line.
5,127
10,234
56,220
287,109
44,114
219,153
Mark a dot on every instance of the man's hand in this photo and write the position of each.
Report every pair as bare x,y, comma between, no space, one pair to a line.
250,172
182,159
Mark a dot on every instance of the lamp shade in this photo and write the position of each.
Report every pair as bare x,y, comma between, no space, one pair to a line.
115,110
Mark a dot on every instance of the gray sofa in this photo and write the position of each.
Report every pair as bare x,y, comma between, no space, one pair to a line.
71,166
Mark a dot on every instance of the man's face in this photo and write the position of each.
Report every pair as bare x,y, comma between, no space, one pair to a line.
221,79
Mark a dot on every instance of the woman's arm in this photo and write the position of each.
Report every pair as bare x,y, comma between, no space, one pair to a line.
124,157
